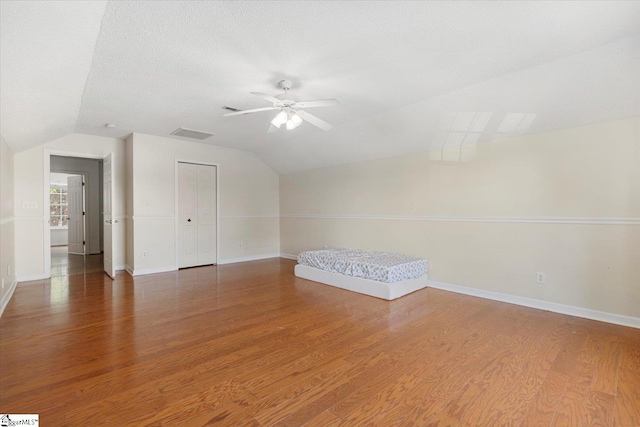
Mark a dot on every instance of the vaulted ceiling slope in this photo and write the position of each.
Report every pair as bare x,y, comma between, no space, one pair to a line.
412,76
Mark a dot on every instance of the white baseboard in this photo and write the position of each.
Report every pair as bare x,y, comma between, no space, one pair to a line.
247,258
7,296
586,313
143,271
289,256
140,272
32,277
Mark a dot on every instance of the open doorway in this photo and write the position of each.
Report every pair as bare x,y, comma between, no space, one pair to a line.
76,213
67,212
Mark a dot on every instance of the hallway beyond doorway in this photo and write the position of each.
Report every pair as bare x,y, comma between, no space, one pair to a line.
65,264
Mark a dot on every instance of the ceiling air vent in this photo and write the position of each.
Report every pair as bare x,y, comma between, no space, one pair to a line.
190,133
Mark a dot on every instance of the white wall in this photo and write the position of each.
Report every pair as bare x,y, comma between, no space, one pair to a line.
249,209
93,195
59,237
566,203
31,223
248,202
7,225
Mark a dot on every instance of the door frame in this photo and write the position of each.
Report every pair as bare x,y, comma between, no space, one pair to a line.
176,213
47,153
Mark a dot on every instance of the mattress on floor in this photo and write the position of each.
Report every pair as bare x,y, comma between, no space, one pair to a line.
384,267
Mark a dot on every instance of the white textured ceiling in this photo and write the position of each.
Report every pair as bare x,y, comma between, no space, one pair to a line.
412,76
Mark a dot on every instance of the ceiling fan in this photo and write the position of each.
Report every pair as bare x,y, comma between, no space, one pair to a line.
291,110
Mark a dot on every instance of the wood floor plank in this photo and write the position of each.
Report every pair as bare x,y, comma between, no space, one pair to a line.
506,404
316,395
406,360
572,406
566,361
378,404
515,400
132,406
325,419
251,344
464,355
600,407
630,353
285,388
572,409
627,403
497,372
606,374
543,408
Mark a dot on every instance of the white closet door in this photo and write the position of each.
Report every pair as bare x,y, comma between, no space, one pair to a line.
206,215
196,215
75,214
187,215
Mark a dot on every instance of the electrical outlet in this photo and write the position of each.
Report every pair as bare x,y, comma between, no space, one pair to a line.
241,245
144,254
2,283
540,278
325,246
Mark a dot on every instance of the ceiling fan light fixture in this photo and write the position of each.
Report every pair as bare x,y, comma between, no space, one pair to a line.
291,111
279,119
296,119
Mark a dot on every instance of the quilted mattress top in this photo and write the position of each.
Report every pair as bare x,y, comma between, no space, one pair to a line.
380,266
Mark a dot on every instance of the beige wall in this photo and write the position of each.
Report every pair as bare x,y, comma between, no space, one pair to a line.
30,244
566,203
7,224
249,209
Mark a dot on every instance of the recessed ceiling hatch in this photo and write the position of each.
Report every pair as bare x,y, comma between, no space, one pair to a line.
190,133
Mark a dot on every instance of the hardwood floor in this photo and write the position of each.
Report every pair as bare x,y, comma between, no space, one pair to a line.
250,344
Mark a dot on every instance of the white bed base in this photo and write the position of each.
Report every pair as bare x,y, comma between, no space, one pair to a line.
388,291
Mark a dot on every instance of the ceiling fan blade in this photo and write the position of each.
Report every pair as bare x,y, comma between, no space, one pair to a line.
226,107
316,121
255,110
266,96
318,103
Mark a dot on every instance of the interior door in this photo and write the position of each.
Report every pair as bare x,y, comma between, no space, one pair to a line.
187,215
75,214
109,221
197,216
206,215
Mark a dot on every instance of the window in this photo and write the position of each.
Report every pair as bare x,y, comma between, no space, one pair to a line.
58,205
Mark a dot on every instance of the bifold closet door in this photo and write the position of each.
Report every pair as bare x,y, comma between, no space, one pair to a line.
196,215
